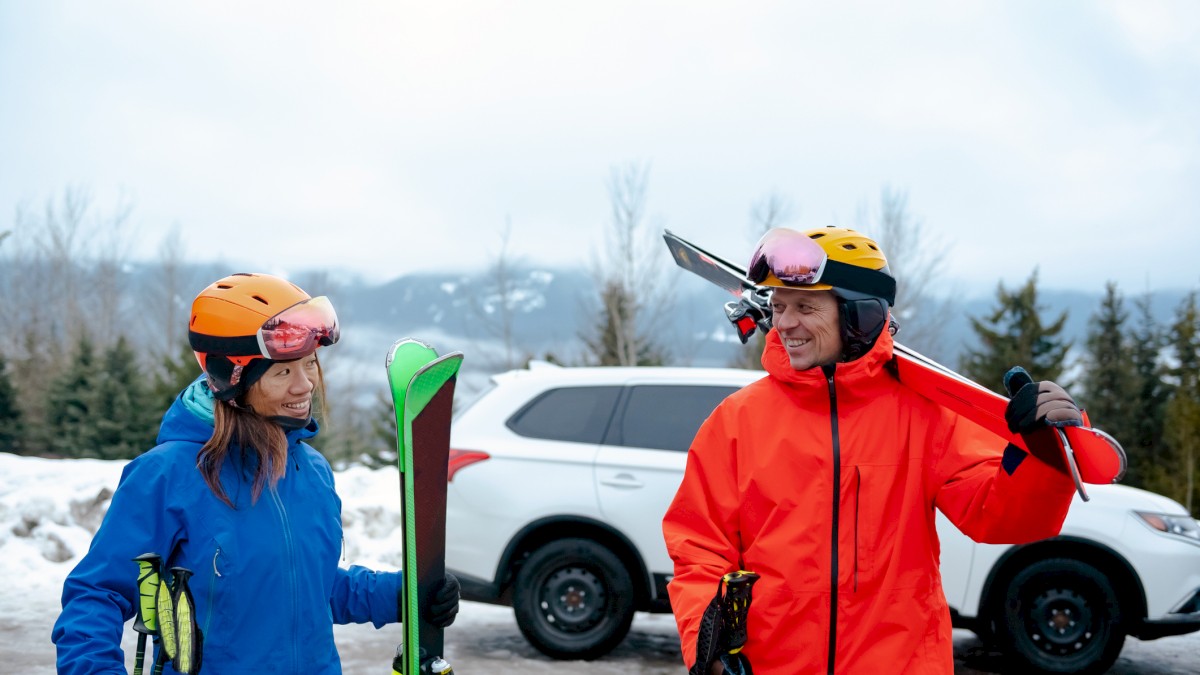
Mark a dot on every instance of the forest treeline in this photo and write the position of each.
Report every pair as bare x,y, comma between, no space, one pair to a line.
88,366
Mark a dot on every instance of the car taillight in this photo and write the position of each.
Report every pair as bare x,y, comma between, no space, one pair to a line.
462,458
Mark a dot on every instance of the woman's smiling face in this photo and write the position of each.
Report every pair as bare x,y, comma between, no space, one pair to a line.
286,389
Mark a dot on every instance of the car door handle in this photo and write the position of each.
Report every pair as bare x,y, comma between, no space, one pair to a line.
623,480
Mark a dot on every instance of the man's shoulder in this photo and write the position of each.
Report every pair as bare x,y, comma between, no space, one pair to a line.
754,395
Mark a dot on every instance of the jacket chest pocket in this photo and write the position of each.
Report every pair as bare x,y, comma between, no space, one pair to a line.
877,507
221,575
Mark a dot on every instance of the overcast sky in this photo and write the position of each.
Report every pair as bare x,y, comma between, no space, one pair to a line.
392,137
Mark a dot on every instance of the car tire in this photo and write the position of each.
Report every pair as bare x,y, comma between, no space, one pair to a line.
1062,616
573,599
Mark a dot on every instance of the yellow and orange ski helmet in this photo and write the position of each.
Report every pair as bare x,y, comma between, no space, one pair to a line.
836,259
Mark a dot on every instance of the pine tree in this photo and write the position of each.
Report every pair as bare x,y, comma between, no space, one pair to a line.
1148,400
630,280
383,432
11,424
1109,378
40,364
69,402
1181,423
122,410
1014,335
616,337
175,372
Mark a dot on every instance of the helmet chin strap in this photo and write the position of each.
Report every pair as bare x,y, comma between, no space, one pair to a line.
285,422
289,423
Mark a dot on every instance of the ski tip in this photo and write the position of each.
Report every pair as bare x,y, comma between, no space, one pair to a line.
399,344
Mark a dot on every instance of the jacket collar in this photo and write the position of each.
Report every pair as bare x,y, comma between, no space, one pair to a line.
190,418
854,376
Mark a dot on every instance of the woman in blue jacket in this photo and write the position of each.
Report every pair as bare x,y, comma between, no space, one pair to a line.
234,493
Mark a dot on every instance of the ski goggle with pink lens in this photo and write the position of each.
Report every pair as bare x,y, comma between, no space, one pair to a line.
796,260
298,330
791,256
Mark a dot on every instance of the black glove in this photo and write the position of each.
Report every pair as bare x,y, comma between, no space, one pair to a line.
443,606
1035,405
1034,408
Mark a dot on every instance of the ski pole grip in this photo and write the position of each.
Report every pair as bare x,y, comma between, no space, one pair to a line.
735,606
145,621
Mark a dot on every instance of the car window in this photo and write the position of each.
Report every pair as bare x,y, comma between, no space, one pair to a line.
665,417
577,414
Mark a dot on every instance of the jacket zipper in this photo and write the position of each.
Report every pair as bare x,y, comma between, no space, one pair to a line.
837,498
212,592
291,558
857,492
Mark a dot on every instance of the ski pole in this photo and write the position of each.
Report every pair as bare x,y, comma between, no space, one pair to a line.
735,608
165,617
186,660
722,633
146,623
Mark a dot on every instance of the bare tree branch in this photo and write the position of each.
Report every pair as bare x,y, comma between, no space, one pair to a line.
496,309
916,260
773,210
630,276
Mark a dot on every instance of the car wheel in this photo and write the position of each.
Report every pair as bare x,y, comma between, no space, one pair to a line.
573,599
1062,616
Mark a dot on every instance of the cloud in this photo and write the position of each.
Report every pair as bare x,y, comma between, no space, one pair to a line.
385,137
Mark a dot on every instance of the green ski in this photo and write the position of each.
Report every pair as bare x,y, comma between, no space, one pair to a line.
422,385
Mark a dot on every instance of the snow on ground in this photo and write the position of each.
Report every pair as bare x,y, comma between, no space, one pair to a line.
49,510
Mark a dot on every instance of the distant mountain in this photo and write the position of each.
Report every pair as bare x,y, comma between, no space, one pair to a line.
553,308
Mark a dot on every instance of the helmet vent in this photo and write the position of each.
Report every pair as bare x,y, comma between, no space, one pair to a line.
849,247
816,235
224,287
260,299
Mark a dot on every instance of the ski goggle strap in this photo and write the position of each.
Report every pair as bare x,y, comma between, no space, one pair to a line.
796,260
295,332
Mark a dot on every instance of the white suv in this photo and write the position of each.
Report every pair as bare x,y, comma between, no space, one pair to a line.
559,479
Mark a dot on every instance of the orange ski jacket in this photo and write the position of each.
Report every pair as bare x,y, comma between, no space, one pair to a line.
824,482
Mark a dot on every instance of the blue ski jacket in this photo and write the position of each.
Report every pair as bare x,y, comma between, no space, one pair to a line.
267,584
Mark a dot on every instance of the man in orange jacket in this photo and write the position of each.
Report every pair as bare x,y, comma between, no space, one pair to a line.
823,478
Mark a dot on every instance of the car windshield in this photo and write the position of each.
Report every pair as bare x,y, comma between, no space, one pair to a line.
469,398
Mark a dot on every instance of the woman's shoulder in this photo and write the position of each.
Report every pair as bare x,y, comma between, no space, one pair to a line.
310,456
165,458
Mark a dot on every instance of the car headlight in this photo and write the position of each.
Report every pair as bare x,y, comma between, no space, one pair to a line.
1180,526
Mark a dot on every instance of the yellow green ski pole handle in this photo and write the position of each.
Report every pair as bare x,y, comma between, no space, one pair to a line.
186,660
148,581
165,617
145,622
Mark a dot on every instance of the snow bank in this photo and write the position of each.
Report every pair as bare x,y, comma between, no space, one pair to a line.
49,510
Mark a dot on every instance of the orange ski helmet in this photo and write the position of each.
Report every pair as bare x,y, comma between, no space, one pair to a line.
243,323
831,259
